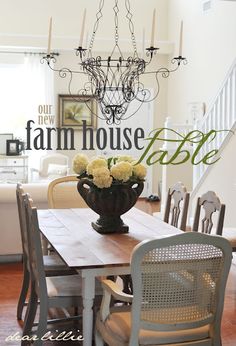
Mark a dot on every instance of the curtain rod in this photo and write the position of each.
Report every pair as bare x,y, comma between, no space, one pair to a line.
30,53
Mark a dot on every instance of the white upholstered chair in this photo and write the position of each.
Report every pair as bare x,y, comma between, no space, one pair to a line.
51,166
178,285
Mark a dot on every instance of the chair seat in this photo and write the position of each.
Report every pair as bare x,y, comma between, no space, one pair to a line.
118,328
62,286
53,265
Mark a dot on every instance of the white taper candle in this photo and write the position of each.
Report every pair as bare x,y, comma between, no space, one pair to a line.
49,36
181,39
82,29
143,44
153,27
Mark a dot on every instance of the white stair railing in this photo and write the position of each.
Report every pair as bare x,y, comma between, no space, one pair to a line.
221,116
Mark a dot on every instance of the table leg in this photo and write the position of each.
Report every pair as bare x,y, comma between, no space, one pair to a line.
88,294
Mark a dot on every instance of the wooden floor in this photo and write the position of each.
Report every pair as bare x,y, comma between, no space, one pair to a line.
10,284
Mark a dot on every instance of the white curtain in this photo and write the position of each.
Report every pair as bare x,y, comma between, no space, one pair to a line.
38,91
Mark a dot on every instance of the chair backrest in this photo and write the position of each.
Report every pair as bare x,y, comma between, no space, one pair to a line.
209,203
52,159
35,253
179,283
22,219
176,209
63,193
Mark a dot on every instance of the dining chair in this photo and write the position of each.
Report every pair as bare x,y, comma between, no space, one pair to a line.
63,193
53,265
166,310
210,203
176,211
176,208
46,292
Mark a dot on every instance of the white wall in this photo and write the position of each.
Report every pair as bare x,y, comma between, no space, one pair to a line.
209,46
25,22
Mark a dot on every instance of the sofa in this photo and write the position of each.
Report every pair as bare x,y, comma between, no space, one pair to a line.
10,238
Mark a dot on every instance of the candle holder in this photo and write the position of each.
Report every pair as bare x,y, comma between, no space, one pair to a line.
151,51
179,59
80,51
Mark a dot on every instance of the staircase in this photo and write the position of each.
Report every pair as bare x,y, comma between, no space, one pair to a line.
221,116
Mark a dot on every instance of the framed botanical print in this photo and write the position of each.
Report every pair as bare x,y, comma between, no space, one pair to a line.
74,109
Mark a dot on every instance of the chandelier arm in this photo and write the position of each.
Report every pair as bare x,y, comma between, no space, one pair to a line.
49,59
156,93
175,60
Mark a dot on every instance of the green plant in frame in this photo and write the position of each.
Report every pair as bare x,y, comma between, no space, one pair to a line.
74,112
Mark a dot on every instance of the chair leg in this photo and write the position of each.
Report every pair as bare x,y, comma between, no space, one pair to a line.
30,313
98,339
42,325
23,293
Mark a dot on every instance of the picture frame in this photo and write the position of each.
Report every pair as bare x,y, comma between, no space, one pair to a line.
3,142
13,147
73,109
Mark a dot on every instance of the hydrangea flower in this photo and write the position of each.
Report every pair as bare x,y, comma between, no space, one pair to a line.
80,163
139,171
122,171
102,178
96,163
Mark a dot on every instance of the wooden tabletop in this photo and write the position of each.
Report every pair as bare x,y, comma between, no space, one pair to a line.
80,246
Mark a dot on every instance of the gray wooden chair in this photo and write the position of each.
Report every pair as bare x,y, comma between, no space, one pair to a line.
53,264
165,310
176,209
59,291
209,203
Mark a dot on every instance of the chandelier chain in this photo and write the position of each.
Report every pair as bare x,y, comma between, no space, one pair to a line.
129,16
116,11
99,15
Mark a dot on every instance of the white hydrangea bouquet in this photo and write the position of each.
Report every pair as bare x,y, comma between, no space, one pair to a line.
110,187
104,172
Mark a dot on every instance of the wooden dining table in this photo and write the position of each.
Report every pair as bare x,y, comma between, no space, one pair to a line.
93,255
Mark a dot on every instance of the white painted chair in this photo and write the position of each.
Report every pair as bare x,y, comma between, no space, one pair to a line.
179,285
51,166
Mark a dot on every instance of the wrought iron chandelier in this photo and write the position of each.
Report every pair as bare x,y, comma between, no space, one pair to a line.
114,81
